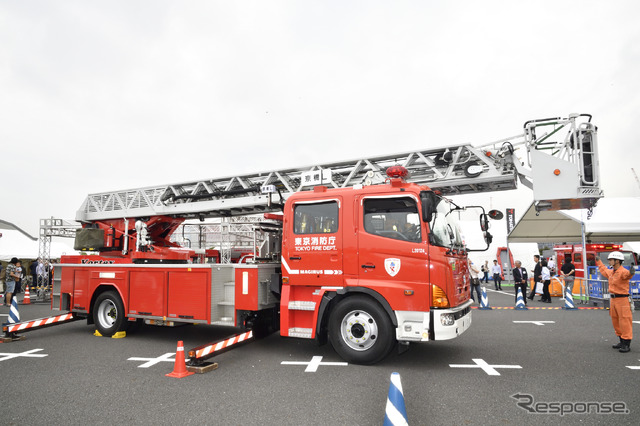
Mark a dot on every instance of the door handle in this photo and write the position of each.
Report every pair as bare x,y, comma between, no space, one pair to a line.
369,266
295,258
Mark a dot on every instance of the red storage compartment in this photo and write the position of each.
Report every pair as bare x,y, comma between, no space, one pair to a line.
189,294
147,293
246,290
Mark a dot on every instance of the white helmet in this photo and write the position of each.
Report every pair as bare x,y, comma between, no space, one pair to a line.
616,255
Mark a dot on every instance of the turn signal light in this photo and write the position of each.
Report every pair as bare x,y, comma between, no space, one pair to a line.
438,297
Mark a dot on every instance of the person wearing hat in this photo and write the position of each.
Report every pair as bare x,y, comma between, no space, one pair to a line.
619,309
12,278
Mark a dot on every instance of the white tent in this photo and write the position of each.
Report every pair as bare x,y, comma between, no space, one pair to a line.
613,220
15,242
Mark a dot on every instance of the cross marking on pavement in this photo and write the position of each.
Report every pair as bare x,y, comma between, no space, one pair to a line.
480,363
26,354
312,366
153,361
535,322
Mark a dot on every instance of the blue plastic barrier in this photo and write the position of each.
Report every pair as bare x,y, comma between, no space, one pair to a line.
598,285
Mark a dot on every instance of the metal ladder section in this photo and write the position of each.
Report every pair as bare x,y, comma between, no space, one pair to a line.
453,170
579,145
446,169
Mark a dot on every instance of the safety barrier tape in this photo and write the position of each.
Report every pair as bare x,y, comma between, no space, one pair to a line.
207,350
38,323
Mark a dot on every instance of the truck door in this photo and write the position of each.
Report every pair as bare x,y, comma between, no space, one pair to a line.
312,249
392,256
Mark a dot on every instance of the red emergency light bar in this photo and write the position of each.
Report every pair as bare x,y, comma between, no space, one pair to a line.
606,247
395,172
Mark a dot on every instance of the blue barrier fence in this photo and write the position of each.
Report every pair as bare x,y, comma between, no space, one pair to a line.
599,286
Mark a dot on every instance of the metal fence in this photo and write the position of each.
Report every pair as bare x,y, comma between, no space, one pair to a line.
598,287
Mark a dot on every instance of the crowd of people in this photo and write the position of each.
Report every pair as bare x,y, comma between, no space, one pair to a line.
16,278
542,273
544,270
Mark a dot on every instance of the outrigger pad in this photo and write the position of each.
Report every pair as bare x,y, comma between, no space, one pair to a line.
11,338
205,367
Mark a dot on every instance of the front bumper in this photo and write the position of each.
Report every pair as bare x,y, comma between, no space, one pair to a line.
438,324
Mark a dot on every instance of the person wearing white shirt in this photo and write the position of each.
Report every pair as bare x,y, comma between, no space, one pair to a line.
552,266
546,280
497,275
475,283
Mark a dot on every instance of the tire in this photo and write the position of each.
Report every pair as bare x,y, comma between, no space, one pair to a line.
108,314
360,330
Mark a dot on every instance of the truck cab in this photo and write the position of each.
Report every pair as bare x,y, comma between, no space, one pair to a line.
370,266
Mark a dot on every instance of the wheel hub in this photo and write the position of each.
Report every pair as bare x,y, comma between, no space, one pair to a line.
107,313
359,330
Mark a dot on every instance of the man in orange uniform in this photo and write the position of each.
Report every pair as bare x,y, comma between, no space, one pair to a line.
619,309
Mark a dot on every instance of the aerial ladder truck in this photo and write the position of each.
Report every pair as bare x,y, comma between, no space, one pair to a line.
365,254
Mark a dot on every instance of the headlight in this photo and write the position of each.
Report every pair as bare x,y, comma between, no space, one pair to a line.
447,319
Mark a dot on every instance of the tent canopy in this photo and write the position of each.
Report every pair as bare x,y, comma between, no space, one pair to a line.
16,242
613,220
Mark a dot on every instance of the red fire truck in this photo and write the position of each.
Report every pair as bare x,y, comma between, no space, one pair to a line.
362,266
346,254
574,251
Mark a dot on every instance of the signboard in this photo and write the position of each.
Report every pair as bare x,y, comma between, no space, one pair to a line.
511,220
316,177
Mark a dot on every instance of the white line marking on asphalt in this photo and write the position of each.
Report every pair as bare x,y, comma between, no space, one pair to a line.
634,367
535,322
480,363
312,366
500,291
27,354
637,322
153,361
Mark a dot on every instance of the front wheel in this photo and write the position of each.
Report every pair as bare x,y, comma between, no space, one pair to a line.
108,314
360,330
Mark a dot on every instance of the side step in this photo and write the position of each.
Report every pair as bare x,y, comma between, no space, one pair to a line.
10,329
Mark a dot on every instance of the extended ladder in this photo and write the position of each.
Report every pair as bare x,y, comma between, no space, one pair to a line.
452,170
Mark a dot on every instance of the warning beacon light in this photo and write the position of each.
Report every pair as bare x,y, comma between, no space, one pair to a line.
395,172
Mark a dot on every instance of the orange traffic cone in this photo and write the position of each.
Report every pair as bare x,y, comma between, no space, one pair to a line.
27,299
179,367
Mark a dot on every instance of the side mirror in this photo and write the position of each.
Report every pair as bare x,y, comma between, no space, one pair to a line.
428,199
484,222
488,238
496,214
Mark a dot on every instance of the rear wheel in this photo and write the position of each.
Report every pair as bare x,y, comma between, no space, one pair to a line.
360,330
108,314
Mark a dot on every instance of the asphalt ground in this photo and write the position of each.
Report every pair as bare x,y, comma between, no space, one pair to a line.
565,357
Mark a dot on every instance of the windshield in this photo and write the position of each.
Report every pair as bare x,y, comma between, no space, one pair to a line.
444,226
392,217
